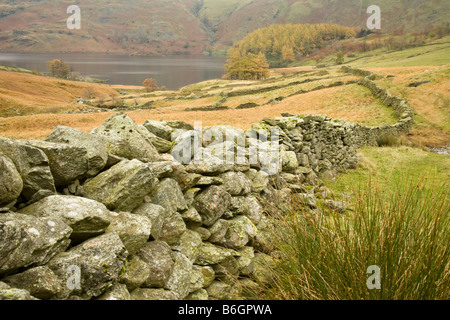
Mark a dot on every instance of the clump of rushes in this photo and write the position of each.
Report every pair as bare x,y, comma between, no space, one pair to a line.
404,230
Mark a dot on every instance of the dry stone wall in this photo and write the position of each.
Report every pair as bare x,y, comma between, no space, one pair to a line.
368,135
161,210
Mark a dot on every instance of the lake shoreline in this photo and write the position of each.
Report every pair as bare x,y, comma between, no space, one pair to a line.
171,71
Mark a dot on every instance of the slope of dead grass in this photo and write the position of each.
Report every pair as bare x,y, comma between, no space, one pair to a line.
430,101
34,94
352,103
22,93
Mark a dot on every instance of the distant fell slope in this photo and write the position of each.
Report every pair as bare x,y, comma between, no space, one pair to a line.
155,27
159,27
396,16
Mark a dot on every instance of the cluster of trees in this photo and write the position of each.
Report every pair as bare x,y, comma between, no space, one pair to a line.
289,42
248,58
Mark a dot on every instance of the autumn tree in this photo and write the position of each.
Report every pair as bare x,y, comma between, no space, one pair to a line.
150,84
59,69
246,66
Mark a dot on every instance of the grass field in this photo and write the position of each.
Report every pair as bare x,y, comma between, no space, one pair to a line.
25,94
401,229
44,102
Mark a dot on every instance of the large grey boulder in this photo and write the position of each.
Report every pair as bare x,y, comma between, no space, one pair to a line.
212,203
122,187
87,218
162,145
221,133
219,290
206,164
189,244
157,216
289,161
168,194
11,184
201,277
124,138
67,162
236,183
237,232
180,279
159,128
90,268
172,229
210,254
95,146
27,241
245,261
134,230
136,274
32,165
264,268
248,206
260,180
40,282
158,256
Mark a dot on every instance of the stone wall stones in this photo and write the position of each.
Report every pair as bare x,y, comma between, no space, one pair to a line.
111,214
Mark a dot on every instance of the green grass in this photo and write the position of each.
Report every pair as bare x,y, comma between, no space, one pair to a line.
402,230
398,220
434,53
14,69
427,55
386,163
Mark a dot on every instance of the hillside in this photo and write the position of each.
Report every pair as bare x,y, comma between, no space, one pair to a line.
161,27
303,90
24,94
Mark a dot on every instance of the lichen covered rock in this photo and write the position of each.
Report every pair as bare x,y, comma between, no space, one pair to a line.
28,241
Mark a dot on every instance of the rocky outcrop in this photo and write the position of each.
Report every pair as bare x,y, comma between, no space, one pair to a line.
118,214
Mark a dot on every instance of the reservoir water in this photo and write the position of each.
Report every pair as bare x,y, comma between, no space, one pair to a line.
173,72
